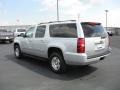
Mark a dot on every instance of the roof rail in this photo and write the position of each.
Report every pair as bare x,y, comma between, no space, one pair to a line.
56,21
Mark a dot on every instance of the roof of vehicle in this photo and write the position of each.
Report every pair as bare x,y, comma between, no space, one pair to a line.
68,21
53,22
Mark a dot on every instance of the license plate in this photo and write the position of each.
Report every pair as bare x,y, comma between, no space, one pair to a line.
100,46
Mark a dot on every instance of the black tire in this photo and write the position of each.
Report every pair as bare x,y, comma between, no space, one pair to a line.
63,66
17,52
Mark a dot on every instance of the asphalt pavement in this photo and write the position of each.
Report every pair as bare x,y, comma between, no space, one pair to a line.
33,74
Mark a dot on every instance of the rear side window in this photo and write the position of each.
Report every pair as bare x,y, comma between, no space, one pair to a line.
40,32
63,30
93,30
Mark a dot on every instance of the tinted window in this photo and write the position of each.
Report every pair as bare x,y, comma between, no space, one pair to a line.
40,32
93,30
21,30
29,33
63,30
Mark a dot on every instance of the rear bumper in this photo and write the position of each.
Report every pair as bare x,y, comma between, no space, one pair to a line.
83,59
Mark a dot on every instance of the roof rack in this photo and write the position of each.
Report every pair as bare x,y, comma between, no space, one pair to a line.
56,21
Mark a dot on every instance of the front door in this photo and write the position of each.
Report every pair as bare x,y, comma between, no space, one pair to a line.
27,41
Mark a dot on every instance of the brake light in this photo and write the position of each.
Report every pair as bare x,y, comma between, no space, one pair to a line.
81,45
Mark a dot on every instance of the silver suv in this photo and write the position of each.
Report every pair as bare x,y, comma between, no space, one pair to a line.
65,43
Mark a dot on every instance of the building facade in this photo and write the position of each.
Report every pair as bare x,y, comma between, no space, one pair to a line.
13,27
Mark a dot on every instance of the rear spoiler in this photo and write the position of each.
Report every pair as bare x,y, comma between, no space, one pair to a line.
90,23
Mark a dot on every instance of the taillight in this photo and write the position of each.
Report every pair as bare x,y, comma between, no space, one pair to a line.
81,45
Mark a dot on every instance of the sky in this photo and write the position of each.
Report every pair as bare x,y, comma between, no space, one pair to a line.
14,12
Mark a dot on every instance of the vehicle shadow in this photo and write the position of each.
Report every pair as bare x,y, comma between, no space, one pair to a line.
42,68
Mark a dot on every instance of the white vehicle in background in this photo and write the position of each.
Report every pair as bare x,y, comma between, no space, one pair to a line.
19,31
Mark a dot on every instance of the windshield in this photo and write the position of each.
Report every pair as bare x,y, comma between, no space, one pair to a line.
93,30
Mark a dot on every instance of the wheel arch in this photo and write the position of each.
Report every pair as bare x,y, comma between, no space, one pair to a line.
16,44
55,49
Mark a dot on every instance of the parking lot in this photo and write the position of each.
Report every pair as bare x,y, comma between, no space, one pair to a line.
32,74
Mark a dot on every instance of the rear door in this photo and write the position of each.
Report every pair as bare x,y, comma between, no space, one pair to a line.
96,39
39,43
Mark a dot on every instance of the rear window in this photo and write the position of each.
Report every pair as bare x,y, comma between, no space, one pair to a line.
93,30
21,30
63,30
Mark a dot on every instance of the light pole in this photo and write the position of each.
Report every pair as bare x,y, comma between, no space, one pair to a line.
106,17
57,11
